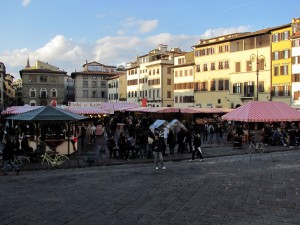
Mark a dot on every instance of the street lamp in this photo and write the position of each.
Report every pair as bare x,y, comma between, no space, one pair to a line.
257,58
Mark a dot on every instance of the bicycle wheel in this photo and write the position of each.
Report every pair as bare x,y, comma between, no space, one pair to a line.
23,162
83,161
249,150
42,165
62,161
260,148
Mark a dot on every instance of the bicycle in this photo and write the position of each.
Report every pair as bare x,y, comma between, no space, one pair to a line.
21,161
255,146
59,161
92,157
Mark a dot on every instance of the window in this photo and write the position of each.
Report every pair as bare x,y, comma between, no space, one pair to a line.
197,68
94,77
43,93
275,55
212,66
226,64
295,60
169,95
103,84
261,86
191,72
249,89
32,93
226,85
94,94
285,35
94,84
176,73
204,66
53,93
85,77
185,72
284,70
296,77
237,88
32,78
169,81
275,37
102,94
85,84
85,94
276,70
213,85
180,73
237,67
286,54
43,79
157,93
220,65
261,64
53,79
248,66
220,86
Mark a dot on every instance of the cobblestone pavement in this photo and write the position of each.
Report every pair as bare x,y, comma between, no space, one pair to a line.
237,189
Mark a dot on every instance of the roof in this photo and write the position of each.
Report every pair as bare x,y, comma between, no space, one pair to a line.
263,111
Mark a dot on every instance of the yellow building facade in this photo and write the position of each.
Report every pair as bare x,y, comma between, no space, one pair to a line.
231,70
281,64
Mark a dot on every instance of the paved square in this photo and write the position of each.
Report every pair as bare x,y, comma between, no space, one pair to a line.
244,189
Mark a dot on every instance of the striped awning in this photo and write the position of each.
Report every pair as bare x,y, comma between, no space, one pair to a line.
263,111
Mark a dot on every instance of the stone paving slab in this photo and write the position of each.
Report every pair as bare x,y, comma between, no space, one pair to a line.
237,189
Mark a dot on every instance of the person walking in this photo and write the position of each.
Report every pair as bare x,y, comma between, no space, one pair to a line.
93,133
8,156
157,152
171,140
197,146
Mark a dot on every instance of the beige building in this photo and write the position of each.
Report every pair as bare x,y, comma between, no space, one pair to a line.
91,84
17,84
117,88
184,81
44,84
150,78
7,91
231,70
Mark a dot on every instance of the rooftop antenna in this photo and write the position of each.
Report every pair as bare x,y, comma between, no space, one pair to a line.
28,64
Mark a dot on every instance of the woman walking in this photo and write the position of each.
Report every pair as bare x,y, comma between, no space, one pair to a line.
157,152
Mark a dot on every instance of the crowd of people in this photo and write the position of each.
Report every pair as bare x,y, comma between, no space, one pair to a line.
131,137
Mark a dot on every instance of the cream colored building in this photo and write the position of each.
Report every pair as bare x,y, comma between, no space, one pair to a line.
183,75
117,88
231,70
150,77
295,39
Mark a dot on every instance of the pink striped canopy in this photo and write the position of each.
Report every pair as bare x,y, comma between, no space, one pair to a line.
194,110
263,111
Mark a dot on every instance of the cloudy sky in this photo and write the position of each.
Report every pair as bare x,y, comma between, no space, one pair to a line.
66,33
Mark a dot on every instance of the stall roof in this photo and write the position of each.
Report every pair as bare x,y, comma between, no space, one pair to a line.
263,111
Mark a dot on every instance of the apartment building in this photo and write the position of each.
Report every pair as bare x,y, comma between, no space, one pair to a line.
17,84
295,39
43,84
183,71
281,63
117,88
2,78
231,70
91,82
149,78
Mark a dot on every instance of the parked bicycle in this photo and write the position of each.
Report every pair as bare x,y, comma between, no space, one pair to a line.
46,161
96,156
22,161
255,146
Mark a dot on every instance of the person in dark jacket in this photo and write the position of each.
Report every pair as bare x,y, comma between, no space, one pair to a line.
157,152
197,146
8,156
171,140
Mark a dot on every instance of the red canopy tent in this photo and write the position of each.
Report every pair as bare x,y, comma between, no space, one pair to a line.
263,111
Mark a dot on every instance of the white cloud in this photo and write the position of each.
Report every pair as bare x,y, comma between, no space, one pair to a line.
69,55
25,2
223,31
142,26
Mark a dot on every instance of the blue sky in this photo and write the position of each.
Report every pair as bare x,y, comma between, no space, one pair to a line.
66,33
